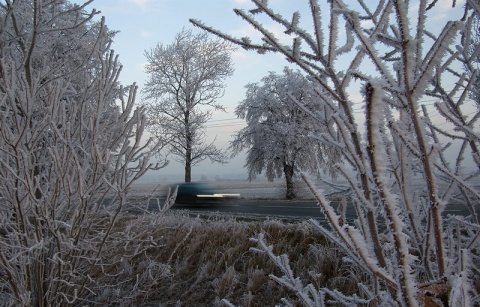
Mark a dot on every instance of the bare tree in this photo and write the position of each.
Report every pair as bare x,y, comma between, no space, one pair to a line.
70,148
279,136
184,78
398,172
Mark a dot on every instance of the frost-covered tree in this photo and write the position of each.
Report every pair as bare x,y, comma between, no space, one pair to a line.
471,52
185,80
279,136
70,148
397,168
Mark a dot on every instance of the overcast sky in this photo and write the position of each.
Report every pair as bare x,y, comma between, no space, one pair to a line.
144,23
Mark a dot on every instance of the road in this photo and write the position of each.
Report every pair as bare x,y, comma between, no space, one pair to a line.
294,210
261,209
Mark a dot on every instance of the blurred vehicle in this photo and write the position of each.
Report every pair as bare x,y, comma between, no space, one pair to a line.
199,193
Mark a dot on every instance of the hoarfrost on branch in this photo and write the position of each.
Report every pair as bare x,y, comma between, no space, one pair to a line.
396,157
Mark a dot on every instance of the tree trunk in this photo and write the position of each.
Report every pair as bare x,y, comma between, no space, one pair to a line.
288,171
188,160
188,171
188,152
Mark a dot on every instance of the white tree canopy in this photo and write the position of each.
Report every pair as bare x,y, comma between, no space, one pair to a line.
280,137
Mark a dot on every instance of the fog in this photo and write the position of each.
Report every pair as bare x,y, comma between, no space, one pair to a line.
204,171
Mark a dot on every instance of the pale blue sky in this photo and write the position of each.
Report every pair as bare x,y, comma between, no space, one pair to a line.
144,23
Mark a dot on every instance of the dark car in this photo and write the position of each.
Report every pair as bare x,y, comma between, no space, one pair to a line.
199,193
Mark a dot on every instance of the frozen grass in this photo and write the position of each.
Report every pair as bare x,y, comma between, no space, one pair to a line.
208,259
199,262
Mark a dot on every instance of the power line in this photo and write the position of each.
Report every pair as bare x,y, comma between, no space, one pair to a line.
226,125
221,120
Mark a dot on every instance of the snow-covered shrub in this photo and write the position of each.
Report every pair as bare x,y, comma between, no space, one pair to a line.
397,100
70,148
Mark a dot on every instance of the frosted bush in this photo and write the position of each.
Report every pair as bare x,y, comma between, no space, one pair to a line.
396,159
70,148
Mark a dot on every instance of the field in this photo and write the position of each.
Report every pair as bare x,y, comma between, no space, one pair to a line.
210,258
205,260
200,262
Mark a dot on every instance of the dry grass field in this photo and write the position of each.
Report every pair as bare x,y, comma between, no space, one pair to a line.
190,260
199,262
